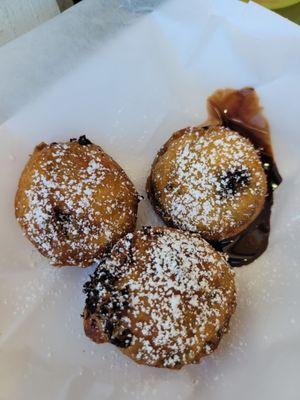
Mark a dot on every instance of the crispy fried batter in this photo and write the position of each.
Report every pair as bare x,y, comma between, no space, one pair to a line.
74,201
208,180
164,296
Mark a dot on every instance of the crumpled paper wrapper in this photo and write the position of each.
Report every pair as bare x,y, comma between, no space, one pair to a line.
129,96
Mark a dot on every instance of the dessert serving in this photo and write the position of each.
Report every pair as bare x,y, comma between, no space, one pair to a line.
217,179
208,180
74,201
163,296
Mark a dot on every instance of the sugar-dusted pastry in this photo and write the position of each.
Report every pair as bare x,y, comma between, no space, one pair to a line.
208,180
163,296
74,201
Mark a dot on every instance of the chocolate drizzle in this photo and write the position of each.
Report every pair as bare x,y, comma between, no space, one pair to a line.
240,110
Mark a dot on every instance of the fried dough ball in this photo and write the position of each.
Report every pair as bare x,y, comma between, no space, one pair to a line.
208,180
163,296
74,201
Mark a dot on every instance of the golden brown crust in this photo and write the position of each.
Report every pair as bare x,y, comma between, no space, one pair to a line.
74,201
164,296
208,180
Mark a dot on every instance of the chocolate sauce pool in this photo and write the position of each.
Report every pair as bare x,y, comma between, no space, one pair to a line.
240,111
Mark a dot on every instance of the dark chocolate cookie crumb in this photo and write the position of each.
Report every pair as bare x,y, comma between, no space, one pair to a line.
84,141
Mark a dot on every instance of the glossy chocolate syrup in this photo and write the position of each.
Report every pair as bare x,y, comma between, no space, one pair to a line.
240,110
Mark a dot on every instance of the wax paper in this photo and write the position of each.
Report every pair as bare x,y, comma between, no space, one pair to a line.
128,96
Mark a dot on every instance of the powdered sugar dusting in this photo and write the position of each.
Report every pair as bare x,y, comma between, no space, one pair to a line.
174,296
69,211
214,180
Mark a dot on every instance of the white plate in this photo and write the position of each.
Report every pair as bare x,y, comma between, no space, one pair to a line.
129,97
